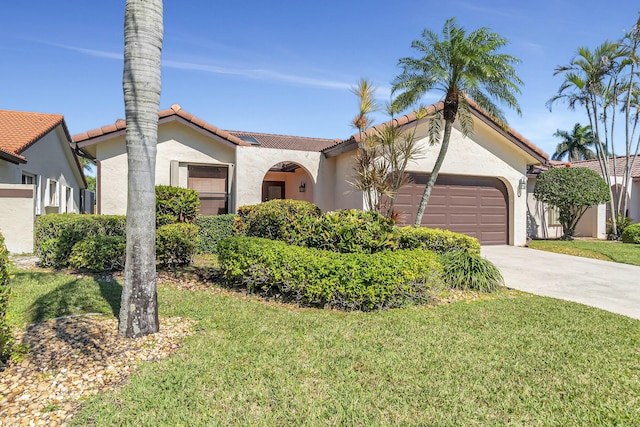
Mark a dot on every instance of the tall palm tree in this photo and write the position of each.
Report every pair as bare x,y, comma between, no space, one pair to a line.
460,65
143,33
575,145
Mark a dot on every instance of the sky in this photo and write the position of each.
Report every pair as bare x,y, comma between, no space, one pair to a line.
284,67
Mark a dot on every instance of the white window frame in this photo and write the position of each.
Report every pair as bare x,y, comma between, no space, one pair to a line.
52,200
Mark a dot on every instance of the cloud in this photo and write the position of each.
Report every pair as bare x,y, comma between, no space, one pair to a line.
251,73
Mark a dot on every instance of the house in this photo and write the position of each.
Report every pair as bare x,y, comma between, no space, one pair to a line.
543,222
481,189
39,174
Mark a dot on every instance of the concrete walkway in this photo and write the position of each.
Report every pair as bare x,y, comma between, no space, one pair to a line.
607,285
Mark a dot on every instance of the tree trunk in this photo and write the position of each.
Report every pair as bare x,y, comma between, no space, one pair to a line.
143,32
434,172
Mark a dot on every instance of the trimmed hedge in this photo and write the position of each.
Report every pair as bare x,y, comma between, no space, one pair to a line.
282,219
349,231
6,338
56,234
176,204
176,244
213,228
435,239
352,281
631,234
99,253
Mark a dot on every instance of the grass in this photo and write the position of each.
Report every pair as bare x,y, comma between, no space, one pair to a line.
599,249
515,359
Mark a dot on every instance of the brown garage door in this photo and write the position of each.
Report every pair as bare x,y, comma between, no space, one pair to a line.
476,206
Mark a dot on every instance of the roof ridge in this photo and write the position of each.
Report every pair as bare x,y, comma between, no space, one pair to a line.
280,135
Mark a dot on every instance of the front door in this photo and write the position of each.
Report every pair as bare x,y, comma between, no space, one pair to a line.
272,190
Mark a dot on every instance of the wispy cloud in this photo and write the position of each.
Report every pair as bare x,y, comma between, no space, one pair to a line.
251,73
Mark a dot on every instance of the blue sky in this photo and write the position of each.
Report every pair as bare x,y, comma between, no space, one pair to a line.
283,67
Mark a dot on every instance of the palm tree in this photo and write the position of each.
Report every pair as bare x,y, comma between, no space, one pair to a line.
143,32
460,65
575,145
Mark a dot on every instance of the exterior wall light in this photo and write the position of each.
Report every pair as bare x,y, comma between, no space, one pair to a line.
302,187
522,185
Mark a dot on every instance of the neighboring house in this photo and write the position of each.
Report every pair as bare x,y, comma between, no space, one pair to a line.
39,174
480,190
543,221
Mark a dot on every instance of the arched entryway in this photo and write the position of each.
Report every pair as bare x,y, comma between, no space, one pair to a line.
287,180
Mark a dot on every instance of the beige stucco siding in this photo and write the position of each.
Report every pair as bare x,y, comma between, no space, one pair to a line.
51,158
253,163
345,196
176,142
17,216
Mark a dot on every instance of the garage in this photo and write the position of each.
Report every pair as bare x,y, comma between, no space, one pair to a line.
476,206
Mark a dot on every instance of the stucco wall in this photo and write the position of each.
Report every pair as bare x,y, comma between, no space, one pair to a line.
175,142
17,216
634,203
253,163
345,196
292,181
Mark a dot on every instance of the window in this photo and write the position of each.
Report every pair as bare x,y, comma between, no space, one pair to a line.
52,198
27,178
69,199
212,182
554,215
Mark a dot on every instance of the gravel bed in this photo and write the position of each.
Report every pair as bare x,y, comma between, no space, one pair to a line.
74,357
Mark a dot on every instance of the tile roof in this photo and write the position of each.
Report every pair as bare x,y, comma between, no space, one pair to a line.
286,142
619,165
19,130
174,111
479,112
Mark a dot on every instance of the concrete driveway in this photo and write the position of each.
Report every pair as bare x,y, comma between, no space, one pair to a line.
607,285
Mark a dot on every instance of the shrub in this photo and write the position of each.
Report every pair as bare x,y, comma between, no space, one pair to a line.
99,253
180,204
572,191
213,228
350,231
631,234
56,234
621,224
352,281
176,244
282,219
5,331
469,271
434,239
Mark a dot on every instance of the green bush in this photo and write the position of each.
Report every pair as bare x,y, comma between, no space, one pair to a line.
99,253
351,281
213,228
179,204
5,331
283,219
176,244
631,234
469,271
56,234
349,231
434,239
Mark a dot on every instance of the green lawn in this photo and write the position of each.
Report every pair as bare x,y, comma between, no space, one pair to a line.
512,360
600,249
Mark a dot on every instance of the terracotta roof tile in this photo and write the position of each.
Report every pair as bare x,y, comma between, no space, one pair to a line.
408,118
285,142
175,110
18,130
619,165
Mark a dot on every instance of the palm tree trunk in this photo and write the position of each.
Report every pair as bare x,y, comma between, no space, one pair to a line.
143,33
434,173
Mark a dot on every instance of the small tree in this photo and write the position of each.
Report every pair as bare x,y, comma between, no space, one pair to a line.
384,151
572,191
